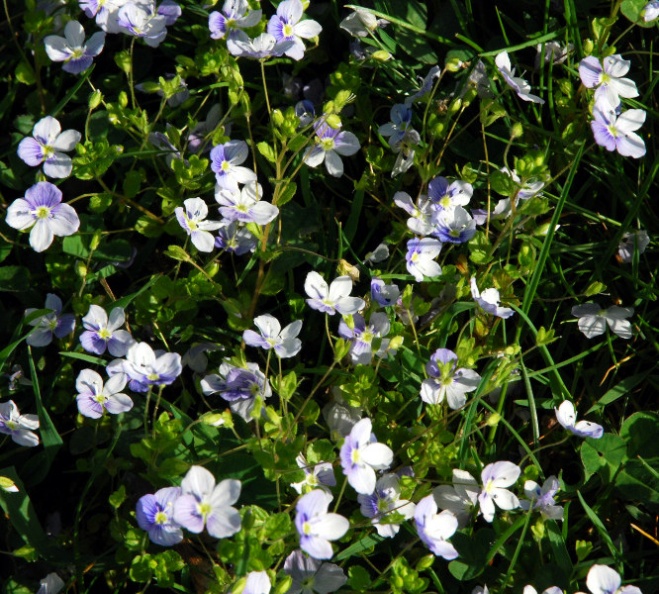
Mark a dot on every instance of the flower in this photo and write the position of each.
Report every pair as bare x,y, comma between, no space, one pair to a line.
311,576
399,129
593,319
202,503
240,45
94,398
566,416
238,386
633,241
447,381
234,238
517,84
41,210
289,31
72,49
495,478
552,52
461,498
618,132
362,336
155,514
489,301
361,455
604,580
379,254
361,23
650,11
244,206
332,299
19,426
102,333
141,21
606,78
435,529
550,590
48,145
454,225
447,196
542,499
426,85
316,526
226,162
385,501
384,294
146,367
50,324
420,221
51,584
420,258
233,14
330,143
192,219
284,342
320,476
258,582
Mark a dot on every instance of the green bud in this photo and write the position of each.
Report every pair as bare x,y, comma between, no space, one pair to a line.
81,269
95,99
425,562
123,60
6,484
333,121
96,240
595,288
277,118
588,47
493,420
283,586
517,130
455,105
439,128
381,56
454,65
123,99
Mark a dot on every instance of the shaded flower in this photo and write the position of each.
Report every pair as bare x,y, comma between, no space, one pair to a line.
550,590
316,526
51,584
203,503
235,238
72,49
333,298
566,415
361,455
606,77
289,31
384,294
240,45
489,301
94,398
284,342
495,478
362,336
19,427
379,254
311,576
51,324
155,515
48,145
593,319
331,144
192,219
631,242
361,23
517,84
461,498
420,258
427,84
618,132
321,476
385,501
542,498
103,333
435,528
399,129
234,14
258,582
552,52
447,381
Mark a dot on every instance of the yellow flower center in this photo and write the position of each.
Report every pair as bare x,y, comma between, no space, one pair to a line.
160,518
42,212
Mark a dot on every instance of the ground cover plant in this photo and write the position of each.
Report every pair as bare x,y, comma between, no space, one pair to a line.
311,297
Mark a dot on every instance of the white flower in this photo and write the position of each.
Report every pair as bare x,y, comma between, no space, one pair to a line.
593,319
651,11
461,498
192,219
496,477
48,146
316,526
333,298
72,49
19,426
517,84
361,22
435,529
606,77
604,580
284,342
489,301
567,416
631,242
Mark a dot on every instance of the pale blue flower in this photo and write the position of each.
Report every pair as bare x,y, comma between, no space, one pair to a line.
235,238
316,526
192,217
495,478
517,84
454,225
651,11
289,31
399,129
51,324
205,504
146,367
593,319
94,398
310,576
447,195
103,333
246,206
361,455
489,301
566,415
604,580
447,381
607,78
541,499
426,85
72,49
331,144
155,515
616,131
258,582
632,241
384,500
384,294
234,14
362,336
421,213
226,162
48,145
19,427
420,258
333,298
141,21
461,498
240,45
284,342
320,476
434,529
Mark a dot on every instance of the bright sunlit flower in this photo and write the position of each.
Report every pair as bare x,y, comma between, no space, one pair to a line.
234,14
72,49
461,498
331,144
435,528
48,145
384,501
616,131
447,381
566,415
193,219
604,580
94,398
495,478
489,301
103,333
606,77
316,526
420,258
284,342
289,31
333,298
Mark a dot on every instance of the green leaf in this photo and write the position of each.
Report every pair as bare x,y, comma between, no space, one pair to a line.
358,578
287,194
14,279
362,545
118,497
267,151
633,9
640,432
603,456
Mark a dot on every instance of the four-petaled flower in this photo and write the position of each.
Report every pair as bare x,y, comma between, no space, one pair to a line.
361,455
226,162
320,476
489,301
233,14
146,367
284,342
155,515
333,298
461,498
383,503
19,426
542,498
245,206
517,84
617,132
330,143
72,49
289,31
316,526
311,576
496,477
606,77
203,503
566,415
51,324
192,219
103,333
604,580
94,398
447,381
435,528
420,257
593,319
48,145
